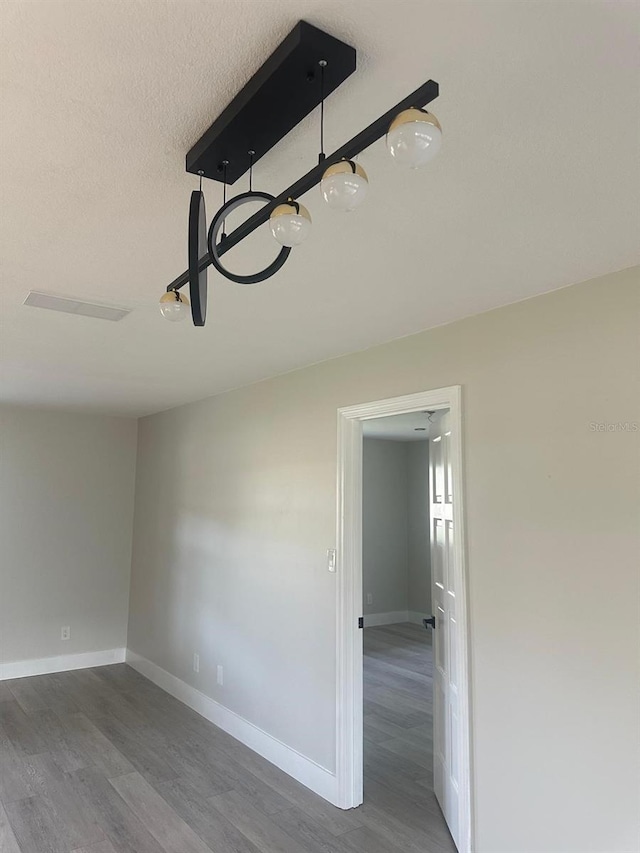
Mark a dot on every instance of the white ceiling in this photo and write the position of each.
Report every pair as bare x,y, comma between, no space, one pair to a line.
536,186
414,426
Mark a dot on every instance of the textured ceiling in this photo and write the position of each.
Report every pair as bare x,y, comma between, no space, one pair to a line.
536,186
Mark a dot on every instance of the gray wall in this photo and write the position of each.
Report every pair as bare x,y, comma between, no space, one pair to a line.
418,551
385,540
66,518
236,506
395,526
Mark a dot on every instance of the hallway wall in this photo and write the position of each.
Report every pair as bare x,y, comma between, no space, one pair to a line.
385,539
396,561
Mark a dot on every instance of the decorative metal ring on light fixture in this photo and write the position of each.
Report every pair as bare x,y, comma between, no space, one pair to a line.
214,230
197,248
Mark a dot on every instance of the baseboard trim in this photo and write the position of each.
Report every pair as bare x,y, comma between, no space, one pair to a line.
313,776
416,617
372,620
60,663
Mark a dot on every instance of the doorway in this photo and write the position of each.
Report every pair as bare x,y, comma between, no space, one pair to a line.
448,779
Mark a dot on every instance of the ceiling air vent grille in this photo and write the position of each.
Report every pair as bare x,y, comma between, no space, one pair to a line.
37,299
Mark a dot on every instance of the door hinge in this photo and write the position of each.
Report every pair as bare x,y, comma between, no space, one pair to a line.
361,622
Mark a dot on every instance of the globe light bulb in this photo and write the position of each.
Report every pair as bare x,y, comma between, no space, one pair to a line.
414,137
174,306
290,223
344,185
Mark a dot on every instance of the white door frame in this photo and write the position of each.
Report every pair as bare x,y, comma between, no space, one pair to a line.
349,706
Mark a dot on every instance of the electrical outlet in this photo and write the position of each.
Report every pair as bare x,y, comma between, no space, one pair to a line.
65,632
220,674
369,598
196,662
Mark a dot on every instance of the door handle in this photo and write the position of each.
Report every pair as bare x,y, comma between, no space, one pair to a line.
430,622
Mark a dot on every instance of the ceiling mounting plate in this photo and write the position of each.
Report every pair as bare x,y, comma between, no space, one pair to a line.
284,91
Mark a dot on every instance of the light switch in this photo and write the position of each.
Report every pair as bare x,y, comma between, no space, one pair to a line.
331,559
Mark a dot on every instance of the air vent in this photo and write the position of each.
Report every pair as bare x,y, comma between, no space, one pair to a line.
37,299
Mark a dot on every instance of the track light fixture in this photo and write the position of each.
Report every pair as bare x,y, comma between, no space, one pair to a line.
303,71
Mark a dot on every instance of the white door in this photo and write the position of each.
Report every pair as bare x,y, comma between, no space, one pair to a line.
446,717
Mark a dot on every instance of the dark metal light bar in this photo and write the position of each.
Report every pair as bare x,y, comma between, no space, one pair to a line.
420,98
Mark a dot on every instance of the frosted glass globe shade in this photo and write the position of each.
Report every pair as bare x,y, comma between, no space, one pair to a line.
290,224
174,309
414,138
344,186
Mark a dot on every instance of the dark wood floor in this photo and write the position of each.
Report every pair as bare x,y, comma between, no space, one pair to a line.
102,761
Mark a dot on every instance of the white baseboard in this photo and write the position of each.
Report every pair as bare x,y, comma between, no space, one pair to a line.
60,663
372,620
416,617
307,772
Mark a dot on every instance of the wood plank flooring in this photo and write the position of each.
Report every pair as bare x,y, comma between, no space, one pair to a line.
103,761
